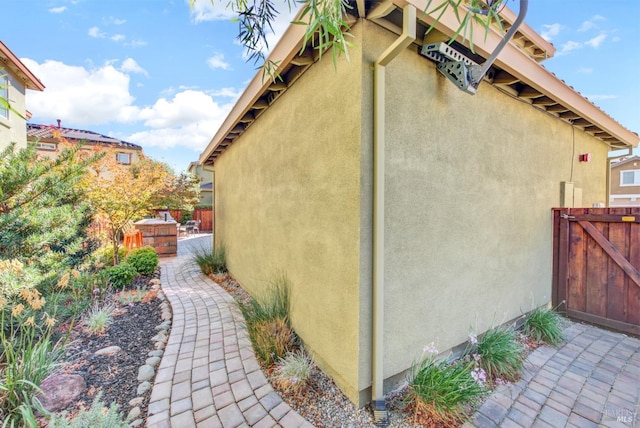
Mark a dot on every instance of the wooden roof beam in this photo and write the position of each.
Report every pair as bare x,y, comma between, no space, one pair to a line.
504,78
529,92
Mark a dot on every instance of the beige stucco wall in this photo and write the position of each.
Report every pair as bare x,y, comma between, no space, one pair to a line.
471,181
287,199
14,129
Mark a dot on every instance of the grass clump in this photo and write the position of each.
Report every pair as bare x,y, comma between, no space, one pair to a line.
442,392
268,321
544,325
211,261
132,296
499,354
98,318
293,371
97,416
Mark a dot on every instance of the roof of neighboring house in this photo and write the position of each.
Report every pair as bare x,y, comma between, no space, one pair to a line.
11,62
624,161
46,133
516,72
206,186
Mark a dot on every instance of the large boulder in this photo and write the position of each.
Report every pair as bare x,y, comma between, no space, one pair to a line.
61,390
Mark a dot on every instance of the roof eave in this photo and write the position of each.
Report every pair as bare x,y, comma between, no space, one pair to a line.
29,79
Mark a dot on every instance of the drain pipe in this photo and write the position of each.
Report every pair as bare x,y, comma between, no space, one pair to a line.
408,36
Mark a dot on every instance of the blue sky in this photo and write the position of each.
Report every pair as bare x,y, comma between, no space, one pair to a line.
160,74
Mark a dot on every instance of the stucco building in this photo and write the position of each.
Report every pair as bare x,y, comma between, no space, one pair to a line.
625,182
15,79
403,210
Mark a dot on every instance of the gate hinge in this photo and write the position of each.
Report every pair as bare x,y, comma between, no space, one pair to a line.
567,217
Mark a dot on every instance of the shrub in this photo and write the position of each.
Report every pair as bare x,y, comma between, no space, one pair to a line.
98,416
293,371
133,296
442,392
122,275
268,322
544,324
211,262
104,255
98,318
144,260
500,354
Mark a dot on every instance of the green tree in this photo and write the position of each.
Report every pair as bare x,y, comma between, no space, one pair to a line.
43,216
182,192
124,193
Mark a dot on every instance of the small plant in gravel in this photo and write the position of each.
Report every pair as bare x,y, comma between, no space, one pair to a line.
293,371
122,275
544,325
98,318
97,416
211,261
144,260
442,392
268,321
498,353
132,296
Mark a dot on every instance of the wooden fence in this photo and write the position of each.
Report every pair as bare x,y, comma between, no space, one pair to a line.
205,215
596,266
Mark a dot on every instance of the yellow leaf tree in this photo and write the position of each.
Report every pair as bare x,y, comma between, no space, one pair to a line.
122,194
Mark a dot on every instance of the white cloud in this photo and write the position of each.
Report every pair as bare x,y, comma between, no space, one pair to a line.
130,65
79,95
217,61
585,70
58,9
591,23
190,119
117,38
602,97
114,21
95,32
596,41
205,10
549,31
226,92
136,43
568,47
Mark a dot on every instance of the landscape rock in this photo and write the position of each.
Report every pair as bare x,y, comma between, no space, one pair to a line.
109,350
166,315
61,390
145,373
134,413
136,423
152,361
156,353
143,387
137,401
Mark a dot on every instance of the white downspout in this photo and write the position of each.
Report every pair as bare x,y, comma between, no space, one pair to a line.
407,37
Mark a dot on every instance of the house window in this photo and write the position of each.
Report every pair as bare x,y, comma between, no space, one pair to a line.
124,158
47,146
630,178
4,95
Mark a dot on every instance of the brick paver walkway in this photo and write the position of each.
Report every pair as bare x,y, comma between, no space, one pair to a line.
591,380
209,376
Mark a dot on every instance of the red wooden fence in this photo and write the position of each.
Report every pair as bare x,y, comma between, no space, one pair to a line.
205,215
596,266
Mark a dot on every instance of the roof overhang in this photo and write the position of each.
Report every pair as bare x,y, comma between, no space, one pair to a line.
12,63
515,72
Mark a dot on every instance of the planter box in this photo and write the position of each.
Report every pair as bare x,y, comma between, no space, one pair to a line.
159,234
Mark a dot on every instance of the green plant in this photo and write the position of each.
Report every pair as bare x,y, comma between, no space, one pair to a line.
97,416
544,324
267,319
211,261
293,371
144,260
27,356
500,354
133,296
98,317
442,392
122,275
104,255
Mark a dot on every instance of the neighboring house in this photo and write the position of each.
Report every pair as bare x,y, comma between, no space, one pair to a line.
625,183
403,210
205,175
48,139
15,79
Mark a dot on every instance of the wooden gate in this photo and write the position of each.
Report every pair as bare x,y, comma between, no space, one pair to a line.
596,266
205,215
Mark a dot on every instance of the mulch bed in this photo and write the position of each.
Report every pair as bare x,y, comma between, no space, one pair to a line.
132,327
